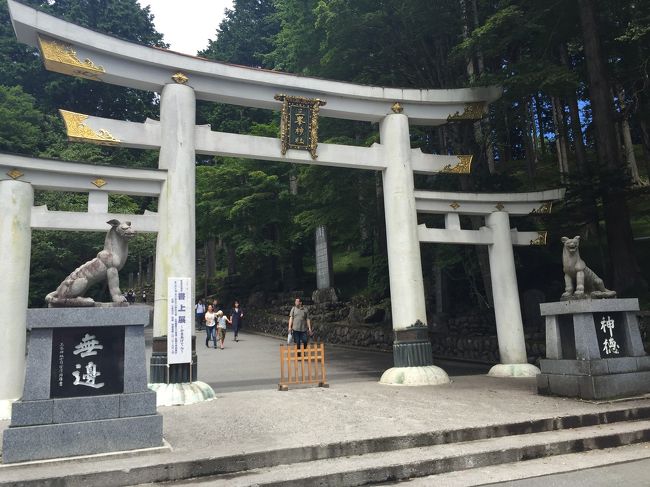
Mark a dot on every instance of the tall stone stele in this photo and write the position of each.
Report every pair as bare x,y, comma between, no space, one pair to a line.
593,345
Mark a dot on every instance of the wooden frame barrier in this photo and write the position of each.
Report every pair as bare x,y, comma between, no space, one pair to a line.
304,365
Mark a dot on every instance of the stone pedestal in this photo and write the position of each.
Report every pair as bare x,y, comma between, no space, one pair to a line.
161,372
85,386
593,350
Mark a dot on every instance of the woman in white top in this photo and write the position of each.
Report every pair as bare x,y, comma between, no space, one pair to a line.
210,322
221,327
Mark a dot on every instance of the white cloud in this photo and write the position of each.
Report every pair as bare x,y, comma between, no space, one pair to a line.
187,25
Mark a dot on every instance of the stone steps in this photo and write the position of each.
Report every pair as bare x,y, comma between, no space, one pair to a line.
410,463
361,461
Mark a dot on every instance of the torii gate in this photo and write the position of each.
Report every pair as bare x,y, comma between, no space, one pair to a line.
181,79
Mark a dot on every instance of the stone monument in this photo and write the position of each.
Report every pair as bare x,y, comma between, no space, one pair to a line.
593,346
85,386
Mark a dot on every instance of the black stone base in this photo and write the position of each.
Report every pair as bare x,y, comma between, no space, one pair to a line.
595,379
178,373
412,354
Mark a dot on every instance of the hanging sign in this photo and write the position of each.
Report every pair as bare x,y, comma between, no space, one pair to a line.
179,320
299,123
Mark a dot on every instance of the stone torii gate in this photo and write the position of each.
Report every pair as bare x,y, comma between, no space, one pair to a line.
19,177
69,49
499,237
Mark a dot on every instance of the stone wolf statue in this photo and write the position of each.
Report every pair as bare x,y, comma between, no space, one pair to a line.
587,283
105,266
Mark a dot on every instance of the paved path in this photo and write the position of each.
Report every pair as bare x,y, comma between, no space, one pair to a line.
253,363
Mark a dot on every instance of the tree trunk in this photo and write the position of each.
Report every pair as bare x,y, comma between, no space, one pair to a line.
628,147
576,127
529,140
560,138
540,123
210,260
625,269
576,132
231,257
645,137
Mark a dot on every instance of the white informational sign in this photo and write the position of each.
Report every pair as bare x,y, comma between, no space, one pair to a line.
179,325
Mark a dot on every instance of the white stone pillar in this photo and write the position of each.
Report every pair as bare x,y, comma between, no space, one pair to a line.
507,311
16,198
175,247
411,348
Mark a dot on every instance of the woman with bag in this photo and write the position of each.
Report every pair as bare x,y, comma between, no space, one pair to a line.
210,322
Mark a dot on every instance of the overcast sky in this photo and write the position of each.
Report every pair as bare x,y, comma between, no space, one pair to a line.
188,24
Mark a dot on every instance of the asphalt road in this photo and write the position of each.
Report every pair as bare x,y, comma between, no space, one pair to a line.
253,363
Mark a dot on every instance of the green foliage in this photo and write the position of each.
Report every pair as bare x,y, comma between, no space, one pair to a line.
245,34
19,121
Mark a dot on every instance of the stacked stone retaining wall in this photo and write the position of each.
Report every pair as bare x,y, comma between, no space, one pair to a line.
471,336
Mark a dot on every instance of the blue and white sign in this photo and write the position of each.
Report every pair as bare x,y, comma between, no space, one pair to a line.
180,313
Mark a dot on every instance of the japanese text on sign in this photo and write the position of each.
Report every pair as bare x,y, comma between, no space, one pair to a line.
179,330
609,345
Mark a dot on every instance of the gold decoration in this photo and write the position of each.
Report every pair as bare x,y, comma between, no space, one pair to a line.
62,58
541,239
545,209
79,132
306,141
455,205
14,174
464,166
397,107
180,78
99,182
499,206
472,111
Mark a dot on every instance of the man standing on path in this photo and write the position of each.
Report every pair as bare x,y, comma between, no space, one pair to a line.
299,323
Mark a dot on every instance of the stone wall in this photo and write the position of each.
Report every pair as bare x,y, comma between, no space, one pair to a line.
338,323
471,336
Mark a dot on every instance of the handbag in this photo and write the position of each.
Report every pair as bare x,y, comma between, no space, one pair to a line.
289,338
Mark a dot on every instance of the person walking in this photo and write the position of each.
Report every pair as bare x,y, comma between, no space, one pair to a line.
236,317
200,314
210,326
221,327
300,324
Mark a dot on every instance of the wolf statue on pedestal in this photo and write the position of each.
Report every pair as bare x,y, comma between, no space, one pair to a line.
106,265
587,283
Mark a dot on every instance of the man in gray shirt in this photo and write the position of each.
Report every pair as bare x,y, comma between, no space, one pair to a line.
299,323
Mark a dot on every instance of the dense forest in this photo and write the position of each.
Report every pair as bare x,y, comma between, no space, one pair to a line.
575,113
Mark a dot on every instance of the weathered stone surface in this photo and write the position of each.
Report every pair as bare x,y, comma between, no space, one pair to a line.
26,413
76,317
580,281
589,306
39,352
105,266
374,315
81,438
138,404
135,365
324,295
75,409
